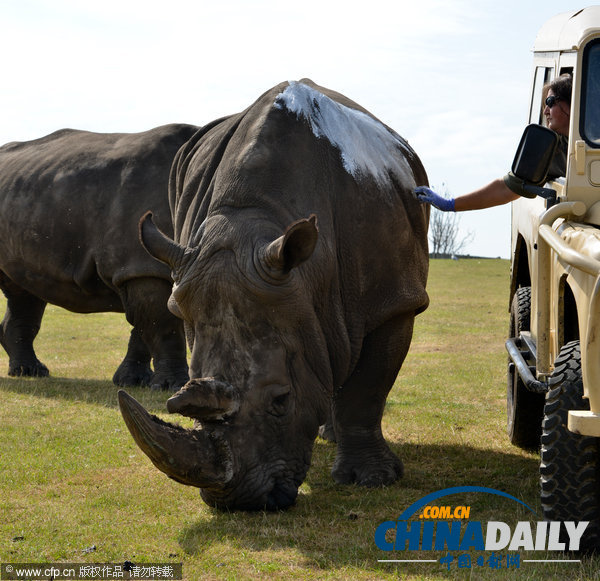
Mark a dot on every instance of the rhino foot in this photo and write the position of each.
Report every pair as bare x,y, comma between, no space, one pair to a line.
131,373
33,369
169,376
367,468
168,382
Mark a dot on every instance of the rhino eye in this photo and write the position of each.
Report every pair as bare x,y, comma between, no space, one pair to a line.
280,401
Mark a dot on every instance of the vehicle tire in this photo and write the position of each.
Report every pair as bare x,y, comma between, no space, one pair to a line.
524,408
570,463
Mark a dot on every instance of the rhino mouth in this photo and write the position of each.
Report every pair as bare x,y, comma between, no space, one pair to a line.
281,496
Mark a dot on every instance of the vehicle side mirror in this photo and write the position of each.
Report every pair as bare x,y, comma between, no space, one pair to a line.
534,154
533,160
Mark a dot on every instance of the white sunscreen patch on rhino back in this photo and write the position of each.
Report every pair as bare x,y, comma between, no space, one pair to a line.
366,146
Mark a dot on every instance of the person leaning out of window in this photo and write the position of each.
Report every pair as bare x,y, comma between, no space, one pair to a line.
557,111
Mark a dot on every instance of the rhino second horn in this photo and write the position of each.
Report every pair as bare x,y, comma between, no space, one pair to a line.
192,457
207,398
159,245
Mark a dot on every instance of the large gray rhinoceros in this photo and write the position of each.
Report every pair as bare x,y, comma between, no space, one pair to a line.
70,204
300,261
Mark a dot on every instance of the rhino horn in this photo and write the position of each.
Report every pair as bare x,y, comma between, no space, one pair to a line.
159,245
193,457
205,399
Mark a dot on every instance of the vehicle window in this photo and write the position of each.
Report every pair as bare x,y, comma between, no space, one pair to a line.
542,76
590,95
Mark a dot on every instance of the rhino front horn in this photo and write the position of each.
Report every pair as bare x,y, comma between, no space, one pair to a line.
193,457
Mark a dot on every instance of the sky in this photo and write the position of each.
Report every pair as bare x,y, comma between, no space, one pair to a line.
450,76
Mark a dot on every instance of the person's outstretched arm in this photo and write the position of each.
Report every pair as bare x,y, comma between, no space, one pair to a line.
493,194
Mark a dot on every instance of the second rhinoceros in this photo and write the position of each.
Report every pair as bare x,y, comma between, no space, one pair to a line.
70,203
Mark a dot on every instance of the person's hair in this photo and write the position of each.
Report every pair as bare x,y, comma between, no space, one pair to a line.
562,87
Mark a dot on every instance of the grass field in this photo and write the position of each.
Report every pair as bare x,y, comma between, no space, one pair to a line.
75,488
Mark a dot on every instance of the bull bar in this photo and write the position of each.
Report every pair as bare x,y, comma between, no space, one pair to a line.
580,422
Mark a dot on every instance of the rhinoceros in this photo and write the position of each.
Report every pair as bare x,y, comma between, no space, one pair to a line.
70,204
299,260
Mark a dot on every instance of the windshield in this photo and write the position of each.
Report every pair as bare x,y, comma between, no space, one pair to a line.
590,95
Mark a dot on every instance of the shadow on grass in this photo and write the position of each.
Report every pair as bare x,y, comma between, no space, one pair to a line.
92,391
334,525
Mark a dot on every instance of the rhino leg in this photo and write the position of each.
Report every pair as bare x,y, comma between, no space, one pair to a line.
135,368
327,431
19,328
363,456
145,304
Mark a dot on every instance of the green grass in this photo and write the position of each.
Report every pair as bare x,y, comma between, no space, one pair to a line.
71,477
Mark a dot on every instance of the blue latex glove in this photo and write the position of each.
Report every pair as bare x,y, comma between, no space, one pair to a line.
424,194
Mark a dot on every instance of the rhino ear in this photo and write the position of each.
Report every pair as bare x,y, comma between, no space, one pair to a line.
159,245
294,247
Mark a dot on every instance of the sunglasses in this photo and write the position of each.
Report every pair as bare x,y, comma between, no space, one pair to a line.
552,100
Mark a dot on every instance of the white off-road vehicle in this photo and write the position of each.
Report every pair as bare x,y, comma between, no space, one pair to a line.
554,337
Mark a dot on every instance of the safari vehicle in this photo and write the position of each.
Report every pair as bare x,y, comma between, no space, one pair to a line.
554,337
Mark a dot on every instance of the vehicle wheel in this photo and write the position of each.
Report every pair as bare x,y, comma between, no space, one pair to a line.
570,463
524,408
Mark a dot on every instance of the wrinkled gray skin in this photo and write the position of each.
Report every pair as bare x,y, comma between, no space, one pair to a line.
298,283
70,204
